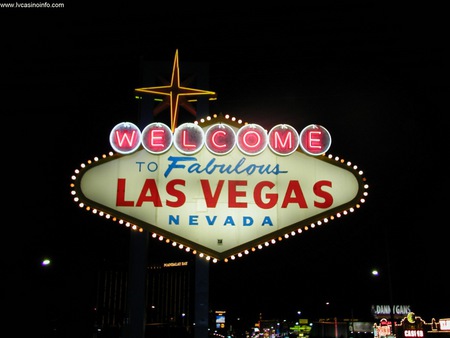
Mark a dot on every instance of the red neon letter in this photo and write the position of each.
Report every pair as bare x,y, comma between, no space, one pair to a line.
124,137
279,143
233,194
215,137
120,198
283,139
252,139
156,138
210,198
314,142
149,185
273,198
181,197
185,140
327,198
294,187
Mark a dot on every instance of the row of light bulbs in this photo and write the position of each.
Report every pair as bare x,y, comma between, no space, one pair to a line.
134,227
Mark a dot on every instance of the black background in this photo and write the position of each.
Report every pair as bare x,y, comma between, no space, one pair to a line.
373,73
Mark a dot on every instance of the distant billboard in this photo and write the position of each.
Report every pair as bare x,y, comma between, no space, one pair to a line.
380,311
220,319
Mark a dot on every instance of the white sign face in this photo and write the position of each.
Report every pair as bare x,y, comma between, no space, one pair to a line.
220,205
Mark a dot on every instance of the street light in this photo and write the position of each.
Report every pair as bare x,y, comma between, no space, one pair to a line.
45,262
391,302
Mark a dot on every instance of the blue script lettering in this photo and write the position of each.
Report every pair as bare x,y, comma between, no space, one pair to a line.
176,162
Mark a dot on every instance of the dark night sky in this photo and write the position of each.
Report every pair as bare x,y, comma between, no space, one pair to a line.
375,75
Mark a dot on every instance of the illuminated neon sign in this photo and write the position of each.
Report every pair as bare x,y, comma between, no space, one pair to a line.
444,324
219,139
411,326
219,188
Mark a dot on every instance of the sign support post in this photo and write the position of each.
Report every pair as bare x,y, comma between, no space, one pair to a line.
201,297
139,240
137,280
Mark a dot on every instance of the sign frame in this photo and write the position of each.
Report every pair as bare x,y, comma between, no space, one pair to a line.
244,248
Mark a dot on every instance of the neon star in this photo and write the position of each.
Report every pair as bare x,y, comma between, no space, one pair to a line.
175,92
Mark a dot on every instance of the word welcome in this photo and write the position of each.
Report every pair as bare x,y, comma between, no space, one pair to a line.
219,139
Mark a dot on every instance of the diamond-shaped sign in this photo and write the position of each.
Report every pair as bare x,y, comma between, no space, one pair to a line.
220,205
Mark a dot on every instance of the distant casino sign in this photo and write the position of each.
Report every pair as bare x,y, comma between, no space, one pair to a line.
217,187
381,311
